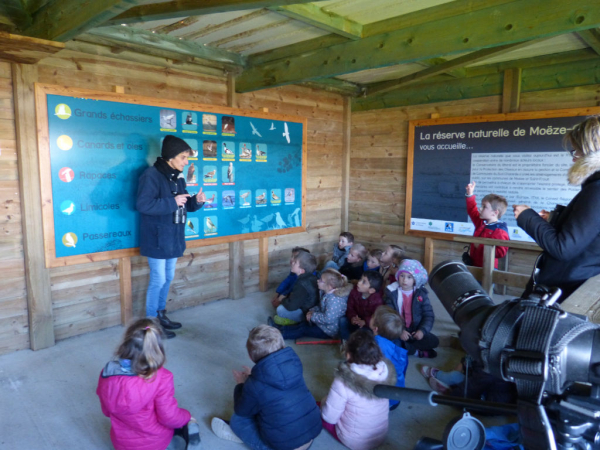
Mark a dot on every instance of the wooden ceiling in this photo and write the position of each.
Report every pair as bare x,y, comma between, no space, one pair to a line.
382,52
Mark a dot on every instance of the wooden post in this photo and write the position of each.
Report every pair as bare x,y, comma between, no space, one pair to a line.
125,290
263,264
236,249
346,163
428,255
236,270
489,255
511,92
37,277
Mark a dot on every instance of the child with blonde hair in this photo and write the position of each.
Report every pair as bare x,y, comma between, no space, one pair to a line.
322,320
273,407
387,326
137,394
351,412
389,262
353,267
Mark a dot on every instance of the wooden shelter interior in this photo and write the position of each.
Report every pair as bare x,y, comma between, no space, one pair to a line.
357,70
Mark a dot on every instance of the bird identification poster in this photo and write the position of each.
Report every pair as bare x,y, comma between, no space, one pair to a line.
250,169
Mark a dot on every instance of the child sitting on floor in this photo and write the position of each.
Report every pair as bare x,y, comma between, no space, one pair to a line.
340,251
363,300
304,295
351,412
389,262
273,407
409,297
322,321
137,394
372,261
353,267
285,287
387,326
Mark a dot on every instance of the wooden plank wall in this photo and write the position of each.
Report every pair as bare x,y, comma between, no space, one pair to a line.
86,297
14,328
378,168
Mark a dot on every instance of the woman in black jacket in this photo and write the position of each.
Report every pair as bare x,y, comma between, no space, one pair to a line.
571,242
163,203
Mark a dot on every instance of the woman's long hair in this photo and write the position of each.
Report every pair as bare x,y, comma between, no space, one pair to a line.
142,345
584,136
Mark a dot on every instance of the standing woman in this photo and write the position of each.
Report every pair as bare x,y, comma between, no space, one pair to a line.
571,241
163,203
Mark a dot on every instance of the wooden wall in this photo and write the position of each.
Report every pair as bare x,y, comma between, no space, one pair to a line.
86,297
14,328
378,168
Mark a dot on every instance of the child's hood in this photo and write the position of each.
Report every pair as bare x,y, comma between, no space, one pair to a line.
343,291
125,393
362,379
281,369
416,269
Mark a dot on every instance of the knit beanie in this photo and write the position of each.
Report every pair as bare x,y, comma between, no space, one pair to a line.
173,146
416,269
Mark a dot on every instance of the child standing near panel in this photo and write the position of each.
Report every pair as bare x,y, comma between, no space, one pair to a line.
487,224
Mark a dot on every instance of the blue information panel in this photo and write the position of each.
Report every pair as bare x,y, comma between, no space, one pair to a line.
249,168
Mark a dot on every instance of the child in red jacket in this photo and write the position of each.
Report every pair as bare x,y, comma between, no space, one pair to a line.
137,394
363,300
487,223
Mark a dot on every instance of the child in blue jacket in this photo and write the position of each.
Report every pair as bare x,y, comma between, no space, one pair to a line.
273,407
387,326
409,297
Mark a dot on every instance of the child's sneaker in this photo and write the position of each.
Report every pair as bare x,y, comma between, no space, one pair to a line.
194,436
343,348
427,353
438,386
426,371
223,430
283,321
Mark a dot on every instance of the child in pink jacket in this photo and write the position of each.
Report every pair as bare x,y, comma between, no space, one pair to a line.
351,412
137,394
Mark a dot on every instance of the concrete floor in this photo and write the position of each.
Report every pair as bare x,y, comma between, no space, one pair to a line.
48,399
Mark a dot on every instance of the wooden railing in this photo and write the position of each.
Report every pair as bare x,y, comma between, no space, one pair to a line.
486,275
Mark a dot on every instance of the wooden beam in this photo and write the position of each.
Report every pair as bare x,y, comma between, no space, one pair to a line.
573,74
185,8
434,13
37,277
346,139
459,72
16,13
26,50
471,58
62,20
295,49
125,290
591,38
511,91
263,264
522,20
167,43
319,18
335,85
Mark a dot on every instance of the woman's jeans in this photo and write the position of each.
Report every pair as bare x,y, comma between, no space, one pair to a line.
162,272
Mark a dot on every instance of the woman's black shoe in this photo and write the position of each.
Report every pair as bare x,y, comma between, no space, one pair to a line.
168,333
166,323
